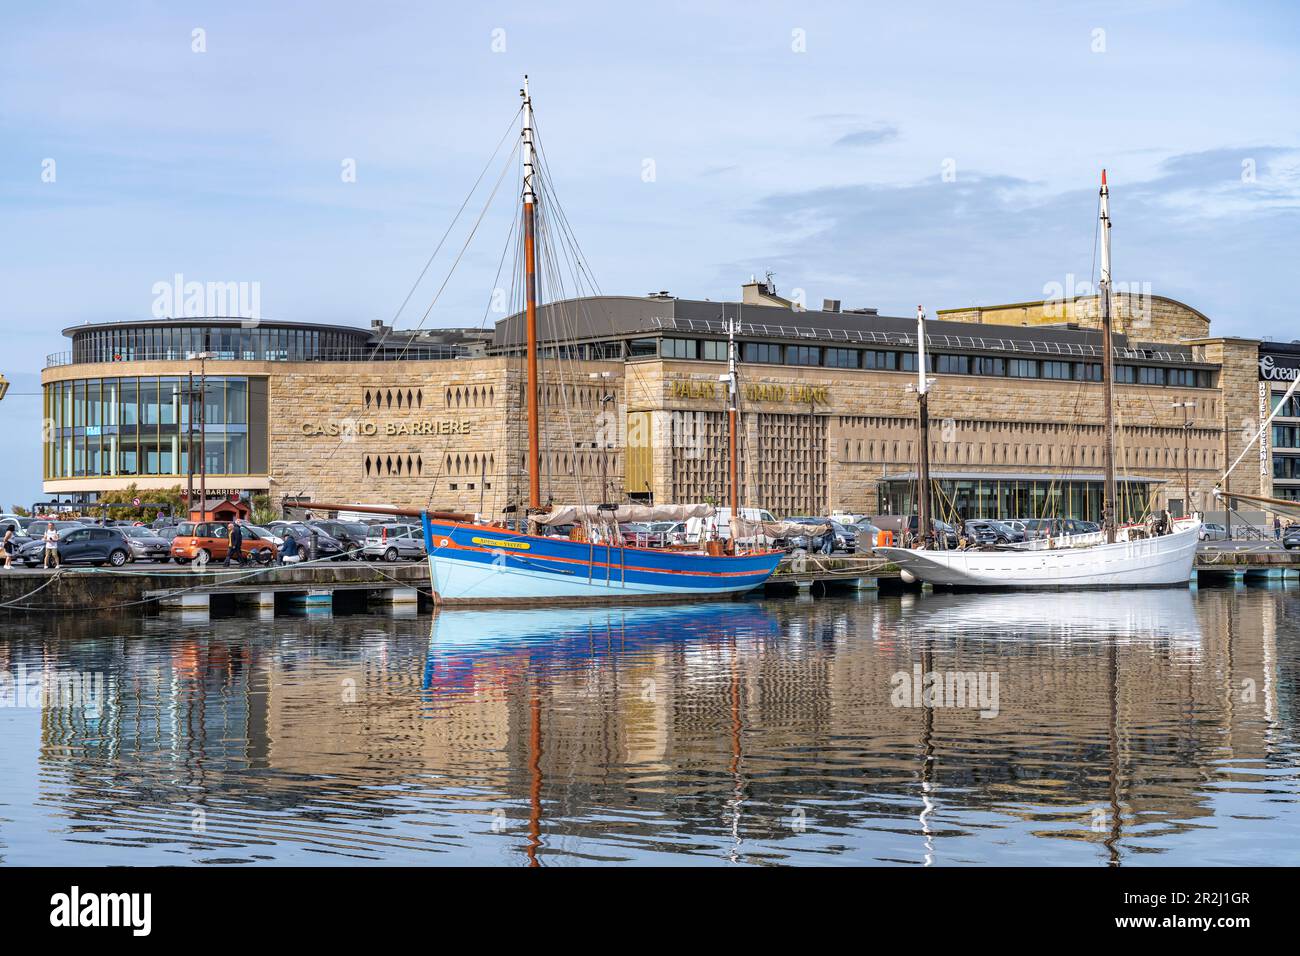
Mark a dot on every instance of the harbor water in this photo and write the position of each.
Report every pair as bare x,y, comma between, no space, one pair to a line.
1131,729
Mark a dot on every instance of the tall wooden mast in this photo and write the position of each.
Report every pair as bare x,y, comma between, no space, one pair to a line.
530,313
1110,499
733,413
923,529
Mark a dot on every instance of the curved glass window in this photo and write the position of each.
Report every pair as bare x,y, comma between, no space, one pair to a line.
231,343
147,425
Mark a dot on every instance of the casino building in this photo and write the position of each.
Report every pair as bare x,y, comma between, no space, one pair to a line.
632,407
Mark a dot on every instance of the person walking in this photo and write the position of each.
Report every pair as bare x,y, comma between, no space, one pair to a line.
51,546
1277,528
236,544
8,546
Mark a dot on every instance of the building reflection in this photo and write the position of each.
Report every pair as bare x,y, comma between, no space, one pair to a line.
749,729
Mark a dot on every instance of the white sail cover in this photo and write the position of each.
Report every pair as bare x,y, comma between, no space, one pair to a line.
572,514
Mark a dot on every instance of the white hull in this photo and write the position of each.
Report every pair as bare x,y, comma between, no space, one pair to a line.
1147,562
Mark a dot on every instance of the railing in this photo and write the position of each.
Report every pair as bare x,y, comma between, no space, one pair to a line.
907,340
423,353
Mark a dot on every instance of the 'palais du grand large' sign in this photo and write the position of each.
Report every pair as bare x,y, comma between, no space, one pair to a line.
359,427
795,394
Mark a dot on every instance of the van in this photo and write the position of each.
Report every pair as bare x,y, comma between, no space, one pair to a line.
718,525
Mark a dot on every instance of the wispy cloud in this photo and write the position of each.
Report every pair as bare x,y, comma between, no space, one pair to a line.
873,136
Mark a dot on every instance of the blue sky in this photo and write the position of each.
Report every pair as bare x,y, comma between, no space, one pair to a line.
806,138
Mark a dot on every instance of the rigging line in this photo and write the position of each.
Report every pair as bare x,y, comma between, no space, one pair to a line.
1262,428
406,347
468,239
554,282
488,165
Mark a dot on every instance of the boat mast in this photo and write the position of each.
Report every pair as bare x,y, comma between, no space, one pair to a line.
1109,509
733,413
530,309
923,529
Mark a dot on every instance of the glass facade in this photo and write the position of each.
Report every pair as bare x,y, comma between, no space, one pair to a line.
141,426
229,342
1016,498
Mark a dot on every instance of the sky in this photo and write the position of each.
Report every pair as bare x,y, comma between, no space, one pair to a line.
887,155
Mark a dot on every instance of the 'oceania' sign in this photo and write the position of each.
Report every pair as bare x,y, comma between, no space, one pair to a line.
1279,368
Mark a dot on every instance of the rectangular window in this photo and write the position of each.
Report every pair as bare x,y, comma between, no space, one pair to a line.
803,355
640,347
988,365
1087,371
1023,368
1151,376
762,352
679,348
885,361
713,350
952,364
840,358
1124,374
1058,370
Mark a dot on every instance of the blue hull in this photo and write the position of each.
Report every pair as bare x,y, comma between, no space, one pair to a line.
481,564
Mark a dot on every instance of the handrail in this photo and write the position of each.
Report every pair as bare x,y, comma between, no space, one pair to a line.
389,353
908,340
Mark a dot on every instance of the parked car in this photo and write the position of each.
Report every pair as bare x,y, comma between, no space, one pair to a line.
1291,537
147,544
845,538
653,533
81,544
209,541
327,546
350,534
868,534
393,541
992,531
1213,532
945,532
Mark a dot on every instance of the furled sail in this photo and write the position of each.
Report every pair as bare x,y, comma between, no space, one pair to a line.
572,514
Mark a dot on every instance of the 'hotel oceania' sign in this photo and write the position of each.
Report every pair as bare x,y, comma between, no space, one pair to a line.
344,427
795,394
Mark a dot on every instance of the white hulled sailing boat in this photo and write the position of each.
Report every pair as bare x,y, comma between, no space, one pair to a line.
1132,556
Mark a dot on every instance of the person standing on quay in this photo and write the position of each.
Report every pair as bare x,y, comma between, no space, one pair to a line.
8,547
51,545
236,544
1277,528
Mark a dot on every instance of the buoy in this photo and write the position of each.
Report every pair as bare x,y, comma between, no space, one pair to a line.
907,576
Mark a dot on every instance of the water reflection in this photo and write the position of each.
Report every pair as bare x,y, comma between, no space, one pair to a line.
1143,727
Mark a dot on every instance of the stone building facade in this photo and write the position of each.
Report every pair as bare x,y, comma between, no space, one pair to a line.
634,407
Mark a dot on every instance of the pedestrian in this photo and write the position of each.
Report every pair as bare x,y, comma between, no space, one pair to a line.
289,550
236,544
51,546
1277,528
8,546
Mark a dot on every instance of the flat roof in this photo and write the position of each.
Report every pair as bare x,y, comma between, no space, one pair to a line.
603,317
230,321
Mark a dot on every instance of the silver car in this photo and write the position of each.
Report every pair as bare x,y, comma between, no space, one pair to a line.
393,542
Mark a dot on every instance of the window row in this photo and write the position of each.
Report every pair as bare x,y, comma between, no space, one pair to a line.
174,343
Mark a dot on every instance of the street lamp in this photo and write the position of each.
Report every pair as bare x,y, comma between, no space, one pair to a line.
1187,465
203,436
